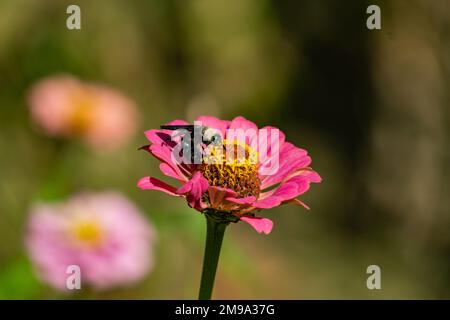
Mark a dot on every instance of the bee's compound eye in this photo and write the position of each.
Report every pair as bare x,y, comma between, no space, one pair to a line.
216,139
212,135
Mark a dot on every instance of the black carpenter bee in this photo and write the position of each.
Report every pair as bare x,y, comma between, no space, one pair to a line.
192,144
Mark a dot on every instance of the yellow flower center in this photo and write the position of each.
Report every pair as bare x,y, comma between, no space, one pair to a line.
87,232
232,165
81,117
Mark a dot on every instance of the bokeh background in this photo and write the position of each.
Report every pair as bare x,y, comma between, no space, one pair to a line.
371,107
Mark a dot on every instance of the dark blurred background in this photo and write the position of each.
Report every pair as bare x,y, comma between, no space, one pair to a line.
370,106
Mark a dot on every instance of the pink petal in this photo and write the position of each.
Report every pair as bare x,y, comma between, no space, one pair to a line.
287,190
150,183
197,180
218,194
291,159
164,154
194,189
249,128
247,200
259,224
160,136
306,174
281,135
299,203
268,203
213,122
242,123
312,176
265,158
169,171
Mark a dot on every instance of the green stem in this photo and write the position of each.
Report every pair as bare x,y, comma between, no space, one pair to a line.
215,231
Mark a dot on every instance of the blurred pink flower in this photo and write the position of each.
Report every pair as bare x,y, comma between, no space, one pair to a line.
104,234
237,188
67,107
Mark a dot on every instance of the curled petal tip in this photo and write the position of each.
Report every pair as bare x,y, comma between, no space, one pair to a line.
261,225
149,183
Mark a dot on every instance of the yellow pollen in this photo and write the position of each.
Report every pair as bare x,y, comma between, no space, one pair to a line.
87,232
236,170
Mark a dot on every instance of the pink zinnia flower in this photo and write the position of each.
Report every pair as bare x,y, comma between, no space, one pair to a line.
104,234
236,188
67,107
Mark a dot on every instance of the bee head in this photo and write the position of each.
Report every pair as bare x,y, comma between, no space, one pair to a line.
211,135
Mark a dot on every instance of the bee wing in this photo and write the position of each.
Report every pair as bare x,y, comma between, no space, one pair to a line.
189,127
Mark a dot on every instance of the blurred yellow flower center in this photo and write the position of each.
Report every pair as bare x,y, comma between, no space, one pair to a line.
232,165
81,117
87,232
